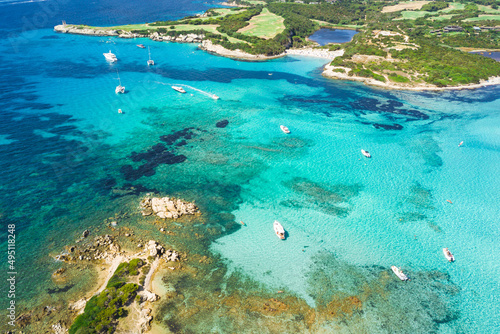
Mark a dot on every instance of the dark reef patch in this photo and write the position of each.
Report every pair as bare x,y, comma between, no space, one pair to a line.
222,124
387,126
157,155
391,106
59,290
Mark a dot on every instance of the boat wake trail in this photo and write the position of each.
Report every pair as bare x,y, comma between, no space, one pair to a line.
207,94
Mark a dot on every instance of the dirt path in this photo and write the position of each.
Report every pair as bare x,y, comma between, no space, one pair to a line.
114,264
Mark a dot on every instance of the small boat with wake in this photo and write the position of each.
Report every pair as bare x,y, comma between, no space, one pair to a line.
279,230
399,273
366,153
448,255
179,89
111,57
284,129
141,46
215,97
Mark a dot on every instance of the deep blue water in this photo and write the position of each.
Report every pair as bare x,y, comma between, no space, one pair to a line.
325,36
66,156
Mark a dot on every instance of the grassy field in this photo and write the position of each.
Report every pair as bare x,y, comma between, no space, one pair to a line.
413,15
488,9
442,17
222,12
453,6
265,25
483,18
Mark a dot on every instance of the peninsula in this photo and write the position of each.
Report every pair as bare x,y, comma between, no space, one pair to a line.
400,45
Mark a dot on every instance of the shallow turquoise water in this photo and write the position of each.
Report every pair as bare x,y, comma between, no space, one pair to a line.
61,125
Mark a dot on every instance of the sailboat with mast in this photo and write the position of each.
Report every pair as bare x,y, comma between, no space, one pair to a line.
150,61
119,89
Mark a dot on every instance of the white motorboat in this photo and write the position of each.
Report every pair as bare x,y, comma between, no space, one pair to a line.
141,46
150,61
399,273
284,129
111,57
179,89
366,153
215,97
279,230
448,255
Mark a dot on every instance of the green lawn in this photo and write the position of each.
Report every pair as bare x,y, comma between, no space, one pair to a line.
453,6
415,14
484,18
264,25
442,17
488,9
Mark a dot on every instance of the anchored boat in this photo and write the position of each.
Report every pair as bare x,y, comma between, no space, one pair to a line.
366,153
279,230
448,255
111,57
399,273
284,129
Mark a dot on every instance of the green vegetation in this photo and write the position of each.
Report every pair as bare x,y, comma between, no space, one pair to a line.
434,6
123,271
266,25
423,44
431,62
103,311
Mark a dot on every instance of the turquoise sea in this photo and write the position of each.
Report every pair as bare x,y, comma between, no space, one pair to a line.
67,155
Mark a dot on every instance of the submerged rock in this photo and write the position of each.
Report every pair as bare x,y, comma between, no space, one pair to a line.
167,207
222,124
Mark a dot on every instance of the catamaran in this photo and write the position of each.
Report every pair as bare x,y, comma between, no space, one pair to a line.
119,88
150,61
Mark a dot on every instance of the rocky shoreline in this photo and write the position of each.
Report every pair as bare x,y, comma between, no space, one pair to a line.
155,36
167,207
329,72
208,46
105,254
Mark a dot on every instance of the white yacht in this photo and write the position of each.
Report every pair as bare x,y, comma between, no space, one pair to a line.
111,57
150,61
279,230
399,273
366,153
179,89
284,129
448,255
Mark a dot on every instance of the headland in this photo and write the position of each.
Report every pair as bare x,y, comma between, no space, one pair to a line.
392,49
